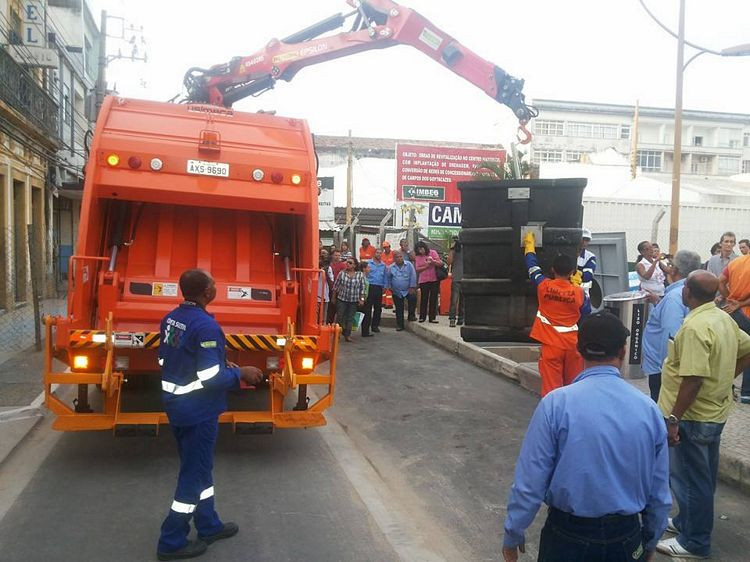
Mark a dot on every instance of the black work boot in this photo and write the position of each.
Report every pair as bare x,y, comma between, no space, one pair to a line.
190,550
230,529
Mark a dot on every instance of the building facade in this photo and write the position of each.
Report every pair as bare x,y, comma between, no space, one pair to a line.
713,143
44,85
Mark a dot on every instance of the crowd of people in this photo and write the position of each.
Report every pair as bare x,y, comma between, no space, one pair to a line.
695,343
410,279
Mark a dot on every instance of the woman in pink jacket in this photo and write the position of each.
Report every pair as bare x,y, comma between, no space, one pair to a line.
426,261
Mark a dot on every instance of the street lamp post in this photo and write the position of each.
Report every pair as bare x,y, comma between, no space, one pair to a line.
736,51
674,220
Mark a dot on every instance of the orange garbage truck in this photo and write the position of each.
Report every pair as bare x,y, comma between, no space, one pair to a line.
171,187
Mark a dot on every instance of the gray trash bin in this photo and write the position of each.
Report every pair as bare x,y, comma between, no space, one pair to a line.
632,308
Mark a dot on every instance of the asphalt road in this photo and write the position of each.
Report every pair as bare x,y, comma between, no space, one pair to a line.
415,465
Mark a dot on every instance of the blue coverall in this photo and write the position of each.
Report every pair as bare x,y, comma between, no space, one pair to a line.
195,380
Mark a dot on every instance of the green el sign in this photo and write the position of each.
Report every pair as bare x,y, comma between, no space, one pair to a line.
422,193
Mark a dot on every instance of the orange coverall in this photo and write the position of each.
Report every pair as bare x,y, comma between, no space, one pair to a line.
561,305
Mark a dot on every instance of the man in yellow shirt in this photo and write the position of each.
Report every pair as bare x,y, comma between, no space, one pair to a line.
695,399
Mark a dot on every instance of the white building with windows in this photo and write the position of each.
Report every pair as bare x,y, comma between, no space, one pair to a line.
713,143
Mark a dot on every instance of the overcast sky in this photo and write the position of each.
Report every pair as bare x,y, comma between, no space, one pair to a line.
606,51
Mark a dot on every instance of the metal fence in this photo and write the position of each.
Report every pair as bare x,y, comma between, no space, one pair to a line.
25,295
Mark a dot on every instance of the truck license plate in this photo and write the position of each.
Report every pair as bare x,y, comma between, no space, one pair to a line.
203,168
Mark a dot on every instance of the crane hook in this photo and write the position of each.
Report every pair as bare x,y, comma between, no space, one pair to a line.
523,135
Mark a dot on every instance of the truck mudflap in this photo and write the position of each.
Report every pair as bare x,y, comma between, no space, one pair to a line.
289,377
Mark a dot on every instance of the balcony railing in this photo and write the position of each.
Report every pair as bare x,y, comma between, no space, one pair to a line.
23,94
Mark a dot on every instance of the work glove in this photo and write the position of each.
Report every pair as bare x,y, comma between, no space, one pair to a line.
529,243
577,278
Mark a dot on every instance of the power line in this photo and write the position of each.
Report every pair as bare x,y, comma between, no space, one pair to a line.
673,34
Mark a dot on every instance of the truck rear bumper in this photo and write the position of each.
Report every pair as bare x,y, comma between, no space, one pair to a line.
111,417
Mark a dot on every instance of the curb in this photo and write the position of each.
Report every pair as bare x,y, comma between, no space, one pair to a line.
733,470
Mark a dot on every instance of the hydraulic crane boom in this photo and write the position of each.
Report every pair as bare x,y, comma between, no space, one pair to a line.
377,24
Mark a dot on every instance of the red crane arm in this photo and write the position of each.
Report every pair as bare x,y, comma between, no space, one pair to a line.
378,24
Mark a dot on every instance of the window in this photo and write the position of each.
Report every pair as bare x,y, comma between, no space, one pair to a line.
548,155
649,160
549,128
67,113
746,166
593,130
88,57
624,131
573,155
697,141
729,165
14,33
746,139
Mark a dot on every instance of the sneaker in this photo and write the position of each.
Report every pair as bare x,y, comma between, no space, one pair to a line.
671,528
190,550
744,399
673,549
452,323
434,322
422,320
230,529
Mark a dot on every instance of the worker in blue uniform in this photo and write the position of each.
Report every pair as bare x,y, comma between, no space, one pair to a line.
195,379
596,453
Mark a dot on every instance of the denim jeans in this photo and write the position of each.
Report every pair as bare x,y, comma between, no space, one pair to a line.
566,538
693,466
457,302
345,316
398,304
744,324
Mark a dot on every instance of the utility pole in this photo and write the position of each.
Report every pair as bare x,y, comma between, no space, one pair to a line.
674,221
634,143
101,80
349,180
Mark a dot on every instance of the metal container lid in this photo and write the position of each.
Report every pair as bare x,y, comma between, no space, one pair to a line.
626,296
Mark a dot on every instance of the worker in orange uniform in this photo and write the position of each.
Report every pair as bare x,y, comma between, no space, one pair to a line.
561,305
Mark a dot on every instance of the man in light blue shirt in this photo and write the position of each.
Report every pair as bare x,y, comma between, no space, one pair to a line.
374,304
596,454
401,279
665,319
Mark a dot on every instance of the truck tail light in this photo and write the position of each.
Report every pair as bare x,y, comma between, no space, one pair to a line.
134,162
308,363
113,160
296,179
277,177
80,362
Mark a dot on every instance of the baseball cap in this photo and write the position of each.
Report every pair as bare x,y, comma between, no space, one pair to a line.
585,233
601,335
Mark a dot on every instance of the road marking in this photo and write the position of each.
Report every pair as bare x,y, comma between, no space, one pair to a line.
19,467
33,410
406,539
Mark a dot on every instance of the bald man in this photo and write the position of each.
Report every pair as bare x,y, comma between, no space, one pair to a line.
695,399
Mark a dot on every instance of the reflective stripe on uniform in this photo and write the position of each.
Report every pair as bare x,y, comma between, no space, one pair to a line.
173,388
180,507
587,284
588,269
161,361
209,373
534,269
561,329
207,493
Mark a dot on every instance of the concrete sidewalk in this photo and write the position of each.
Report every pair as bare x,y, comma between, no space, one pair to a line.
518,362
